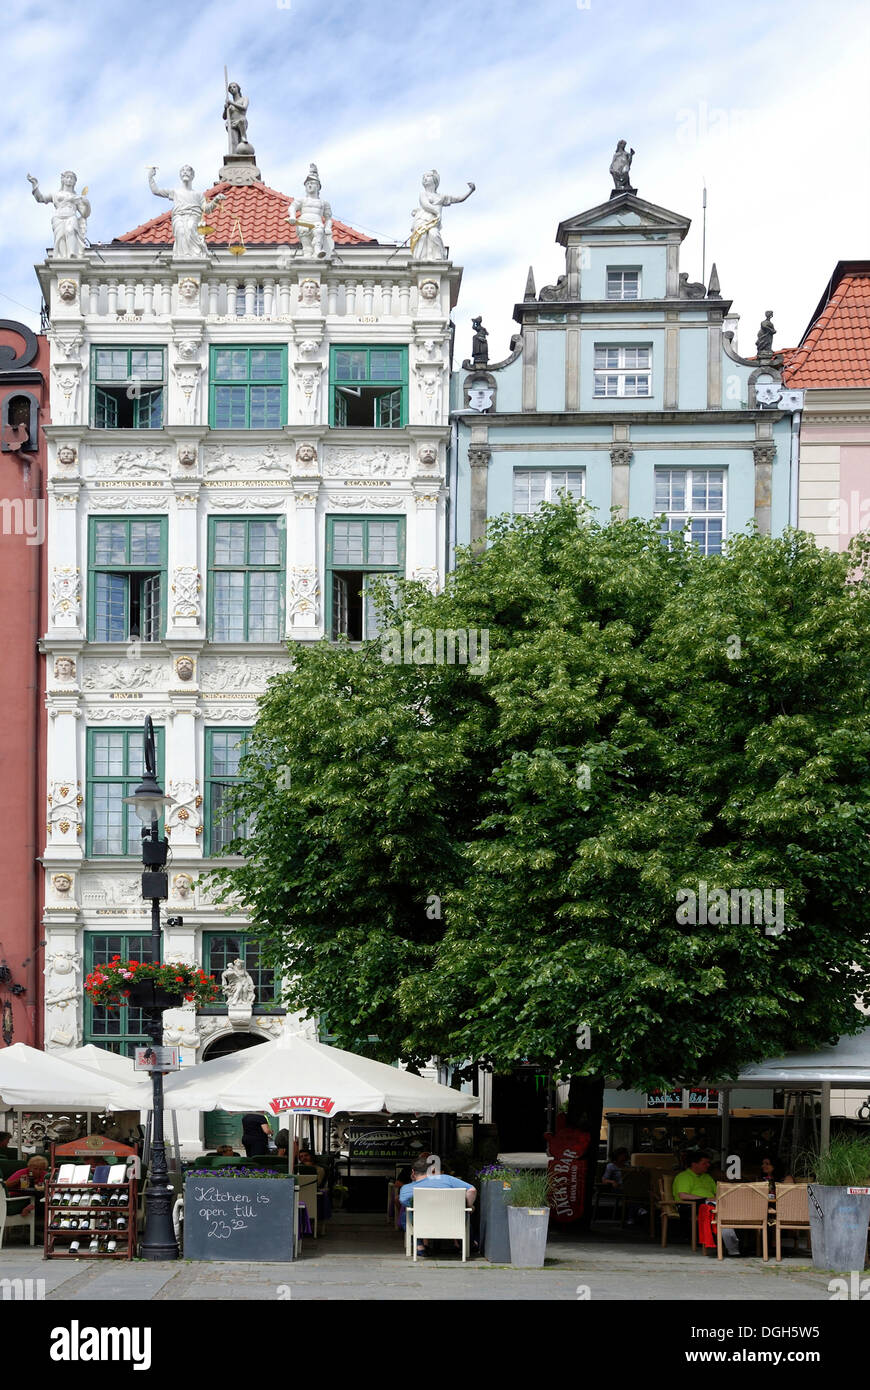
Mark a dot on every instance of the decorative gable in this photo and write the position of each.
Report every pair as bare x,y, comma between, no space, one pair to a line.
617,214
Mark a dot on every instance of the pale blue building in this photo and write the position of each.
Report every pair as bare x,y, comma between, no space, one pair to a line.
624,386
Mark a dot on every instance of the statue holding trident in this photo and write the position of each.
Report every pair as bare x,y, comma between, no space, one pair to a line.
188,210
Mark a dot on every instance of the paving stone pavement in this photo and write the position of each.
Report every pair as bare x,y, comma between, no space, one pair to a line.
369,1263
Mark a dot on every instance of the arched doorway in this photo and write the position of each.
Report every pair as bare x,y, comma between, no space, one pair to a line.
220,1126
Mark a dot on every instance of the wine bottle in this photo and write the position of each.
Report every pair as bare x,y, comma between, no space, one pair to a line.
73,1247
94,1245
112,1246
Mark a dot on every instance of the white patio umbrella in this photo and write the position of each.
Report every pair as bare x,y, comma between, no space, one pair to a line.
108,1064
296,1075
34,1080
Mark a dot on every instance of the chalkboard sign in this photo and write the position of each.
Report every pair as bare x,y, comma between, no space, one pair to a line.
238,1218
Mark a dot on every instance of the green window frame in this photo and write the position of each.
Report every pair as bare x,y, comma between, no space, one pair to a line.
247,387
121,1029
221,947
368,386
114,767
359,549
128,387
224,750
246,579
126,578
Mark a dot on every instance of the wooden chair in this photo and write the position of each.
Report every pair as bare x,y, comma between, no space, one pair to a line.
12,1214
792,1211
742,1206
668,1209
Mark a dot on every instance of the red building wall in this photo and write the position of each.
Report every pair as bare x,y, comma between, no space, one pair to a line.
23,519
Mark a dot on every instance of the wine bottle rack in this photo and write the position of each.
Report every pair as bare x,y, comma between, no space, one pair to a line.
104,1215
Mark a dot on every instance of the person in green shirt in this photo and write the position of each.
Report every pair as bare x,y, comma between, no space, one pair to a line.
694,1184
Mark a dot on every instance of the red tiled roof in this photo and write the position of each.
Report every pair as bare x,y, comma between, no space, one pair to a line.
835,350
261,212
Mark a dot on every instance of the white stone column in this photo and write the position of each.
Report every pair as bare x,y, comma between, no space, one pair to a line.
423,551
185,597
305,600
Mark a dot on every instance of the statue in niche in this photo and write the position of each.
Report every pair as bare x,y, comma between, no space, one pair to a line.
237,985
620,170
479,345
691,289
69,221
764,341
311,217
188,212
236,120
426,243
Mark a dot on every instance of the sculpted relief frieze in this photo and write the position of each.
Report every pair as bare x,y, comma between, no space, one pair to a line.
127,463
244,673
123,675
359,463
269,458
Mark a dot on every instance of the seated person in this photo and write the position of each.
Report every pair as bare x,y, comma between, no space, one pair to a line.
612,1175
35,1172
5,1151
225,1151
420,1174
306,1166
694,1184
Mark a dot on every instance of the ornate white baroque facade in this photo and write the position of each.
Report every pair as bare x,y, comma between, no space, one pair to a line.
238,442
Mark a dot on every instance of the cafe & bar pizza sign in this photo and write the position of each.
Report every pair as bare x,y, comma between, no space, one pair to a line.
311,1105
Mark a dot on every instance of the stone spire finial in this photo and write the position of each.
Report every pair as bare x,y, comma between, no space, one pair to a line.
531,292
713,290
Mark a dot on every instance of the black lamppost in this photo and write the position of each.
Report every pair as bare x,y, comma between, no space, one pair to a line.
158,1242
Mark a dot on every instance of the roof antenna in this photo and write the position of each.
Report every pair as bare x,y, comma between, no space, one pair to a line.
704,233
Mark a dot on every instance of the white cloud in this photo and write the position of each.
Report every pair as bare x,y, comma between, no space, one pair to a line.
769,104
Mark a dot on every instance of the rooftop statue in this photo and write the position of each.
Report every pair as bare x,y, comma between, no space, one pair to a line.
426,243
69,221
311,216
236,120
479,344
188,210
764,341
620,169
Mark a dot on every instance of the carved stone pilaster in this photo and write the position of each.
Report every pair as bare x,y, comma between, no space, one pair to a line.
479,457
620,466
764,455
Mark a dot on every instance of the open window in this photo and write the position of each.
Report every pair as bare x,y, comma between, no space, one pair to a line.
128,386
127,565
360,551
369,387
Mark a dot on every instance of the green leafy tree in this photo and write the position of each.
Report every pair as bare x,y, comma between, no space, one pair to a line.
476,860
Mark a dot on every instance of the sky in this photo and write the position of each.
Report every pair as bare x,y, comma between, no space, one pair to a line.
766,104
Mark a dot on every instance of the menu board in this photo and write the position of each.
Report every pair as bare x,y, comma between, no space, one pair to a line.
238,1218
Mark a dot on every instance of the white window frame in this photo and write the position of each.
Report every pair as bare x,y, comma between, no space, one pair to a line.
699,530
622,371
555,481
622,271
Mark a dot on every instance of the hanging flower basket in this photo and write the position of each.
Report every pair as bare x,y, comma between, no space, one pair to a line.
147,985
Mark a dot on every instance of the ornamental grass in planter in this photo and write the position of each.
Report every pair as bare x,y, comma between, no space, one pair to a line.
839,1218
493,1184
529,1217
